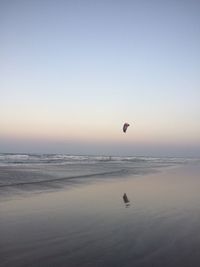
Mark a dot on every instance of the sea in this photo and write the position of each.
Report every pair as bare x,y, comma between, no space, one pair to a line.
34,171
69,211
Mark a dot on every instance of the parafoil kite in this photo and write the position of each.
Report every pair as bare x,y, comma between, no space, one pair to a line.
125,126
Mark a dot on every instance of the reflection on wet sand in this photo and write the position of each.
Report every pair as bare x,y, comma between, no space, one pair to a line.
87,226
126,200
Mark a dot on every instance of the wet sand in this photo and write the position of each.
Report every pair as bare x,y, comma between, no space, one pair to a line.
90,225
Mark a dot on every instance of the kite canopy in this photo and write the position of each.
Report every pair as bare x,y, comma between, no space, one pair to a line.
125,126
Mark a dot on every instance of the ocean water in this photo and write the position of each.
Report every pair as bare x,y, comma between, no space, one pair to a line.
79,217
34,171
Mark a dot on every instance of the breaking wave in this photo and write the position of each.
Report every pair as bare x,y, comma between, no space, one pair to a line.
12,159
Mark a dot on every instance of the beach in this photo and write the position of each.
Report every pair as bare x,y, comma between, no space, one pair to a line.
85,221
100,133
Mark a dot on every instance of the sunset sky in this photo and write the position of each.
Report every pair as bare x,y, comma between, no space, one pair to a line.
72,72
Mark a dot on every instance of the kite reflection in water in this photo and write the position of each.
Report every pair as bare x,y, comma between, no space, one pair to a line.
126,200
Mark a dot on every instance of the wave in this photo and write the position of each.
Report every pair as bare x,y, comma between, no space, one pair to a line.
7,159
60,179
23,170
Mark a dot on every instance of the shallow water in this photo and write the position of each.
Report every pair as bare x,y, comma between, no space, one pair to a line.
90,225
21,173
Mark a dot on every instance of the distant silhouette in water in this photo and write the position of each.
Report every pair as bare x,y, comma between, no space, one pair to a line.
126,200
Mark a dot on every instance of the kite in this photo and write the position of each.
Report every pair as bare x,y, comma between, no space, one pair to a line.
125,127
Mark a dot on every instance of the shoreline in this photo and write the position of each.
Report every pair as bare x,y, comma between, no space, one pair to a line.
27,188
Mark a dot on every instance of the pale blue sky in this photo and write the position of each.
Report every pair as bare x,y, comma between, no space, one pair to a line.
73,71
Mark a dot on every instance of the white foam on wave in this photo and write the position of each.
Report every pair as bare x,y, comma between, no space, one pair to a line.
20,159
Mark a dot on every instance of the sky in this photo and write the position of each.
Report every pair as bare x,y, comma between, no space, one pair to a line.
72,72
